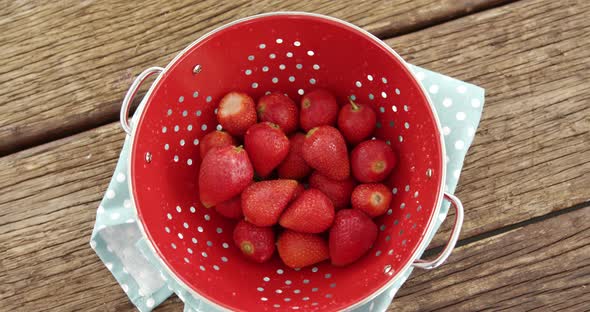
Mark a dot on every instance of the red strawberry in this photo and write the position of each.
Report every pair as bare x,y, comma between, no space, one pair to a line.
318,108
225,172
298,191
356,122
230,208
324,150
338,191
267,146
279,109
311,212
372,161
263,202
298,250
215,139
351,236
372,199
236,113
256,243
294,166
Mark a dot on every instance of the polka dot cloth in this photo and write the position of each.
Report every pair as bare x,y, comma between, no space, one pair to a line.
146,283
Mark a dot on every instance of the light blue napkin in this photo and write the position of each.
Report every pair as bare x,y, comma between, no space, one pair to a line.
118,241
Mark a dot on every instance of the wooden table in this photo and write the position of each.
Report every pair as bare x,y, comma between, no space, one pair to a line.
65,66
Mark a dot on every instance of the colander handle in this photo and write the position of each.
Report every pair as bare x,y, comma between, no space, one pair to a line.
126,105
442,257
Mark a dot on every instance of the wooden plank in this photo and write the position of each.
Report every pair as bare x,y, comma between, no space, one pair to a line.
539,267
67,64
48,194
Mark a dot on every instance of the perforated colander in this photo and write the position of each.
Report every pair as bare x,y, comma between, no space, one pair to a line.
292,53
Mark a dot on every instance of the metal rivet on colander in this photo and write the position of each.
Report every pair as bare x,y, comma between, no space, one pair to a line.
429,173
197,69
148,157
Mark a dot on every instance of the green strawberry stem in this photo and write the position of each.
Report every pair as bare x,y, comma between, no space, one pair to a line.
355,107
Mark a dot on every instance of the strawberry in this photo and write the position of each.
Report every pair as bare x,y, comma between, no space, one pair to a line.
318,108
230,208
255,242
279,109
236,113
294,166
298,191
372,199
351,236
298,250
356,122
215,139
372,161
338,191
324,149
263,202
311,212
225,172
267,146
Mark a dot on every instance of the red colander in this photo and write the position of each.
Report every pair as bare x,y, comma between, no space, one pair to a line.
292,53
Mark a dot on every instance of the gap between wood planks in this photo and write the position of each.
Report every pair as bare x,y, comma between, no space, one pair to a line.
86,123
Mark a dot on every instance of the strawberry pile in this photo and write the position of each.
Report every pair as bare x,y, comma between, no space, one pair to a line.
305,188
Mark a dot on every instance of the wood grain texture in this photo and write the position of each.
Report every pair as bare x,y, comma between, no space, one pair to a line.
539,267
530,158
67,64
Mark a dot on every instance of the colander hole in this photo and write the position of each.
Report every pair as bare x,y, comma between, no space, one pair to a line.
219,127
276,305
328,295
189,127
288,282
180,236
305,281
327,275
433,89
219,230
387,238
333,285
186,260
296,291
406,108
384,80
192,209
254,85
394,190
266,279
196,141
202,268
315,304
166,146
250,57
299,66
195,94
371,96
401,232
390,252
310,53
272,56
314,269
279,40
315,289
203,127
167,229
397,91
280,271
460,116
300,91
169,112
394,108
184,113
224,259
265,68
297,43
401,138
447,102
352,97
291,78
264,299
181,99
164,129
200,229
387,269
173,245
248,72
414,225
209,243
404,242
382,109
262,46
207,217
260,289
407,188
446,130
185,225
190,251
408,216
169,216
199,113
209,99
378,125
225,245
282,67
287,299
295,308
383,94
388,142
389,212
182,142
402,206
395,222
289,54
369,77
382,227
178,209
215,267
278,291
358,84
312,81
275,79
176,128
305,298
204,254
316,66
